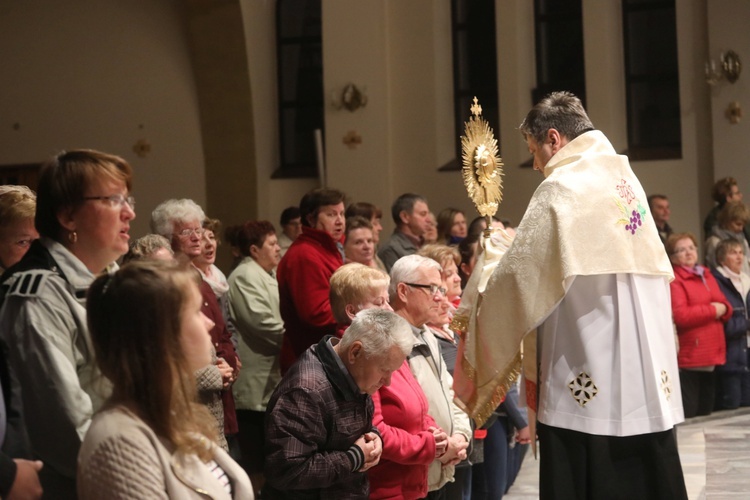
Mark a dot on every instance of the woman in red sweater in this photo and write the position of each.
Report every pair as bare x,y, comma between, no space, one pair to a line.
305,271
699,311
411,439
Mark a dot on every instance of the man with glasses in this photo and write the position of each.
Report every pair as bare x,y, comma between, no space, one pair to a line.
416,292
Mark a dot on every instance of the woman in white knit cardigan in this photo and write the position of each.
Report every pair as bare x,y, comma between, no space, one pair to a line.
151,439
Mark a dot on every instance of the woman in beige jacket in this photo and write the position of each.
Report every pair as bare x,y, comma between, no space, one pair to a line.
152,440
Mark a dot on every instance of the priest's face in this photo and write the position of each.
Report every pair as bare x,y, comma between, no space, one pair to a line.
543,152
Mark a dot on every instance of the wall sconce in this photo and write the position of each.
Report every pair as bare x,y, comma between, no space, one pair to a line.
733,112
728,68
350,98
352,139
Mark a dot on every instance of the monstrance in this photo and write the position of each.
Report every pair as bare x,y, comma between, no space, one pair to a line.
482,173
482,167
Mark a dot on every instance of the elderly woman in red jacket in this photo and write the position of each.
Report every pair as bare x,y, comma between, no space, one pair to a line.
699,310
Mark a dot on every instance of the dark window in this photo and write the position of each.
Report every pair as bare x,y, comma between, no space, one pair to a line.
300,85
474,65
558,29
651,79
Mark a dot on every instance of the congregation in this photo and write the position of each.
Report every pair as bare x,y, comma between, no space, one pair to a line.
79,401
319,366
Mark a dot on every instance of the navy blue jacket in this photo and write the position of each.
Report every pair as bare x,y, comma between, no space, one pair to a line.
735,330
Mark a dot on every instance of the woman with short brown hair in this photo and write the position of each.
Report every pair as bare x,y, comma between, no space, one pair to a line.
83,215
254,307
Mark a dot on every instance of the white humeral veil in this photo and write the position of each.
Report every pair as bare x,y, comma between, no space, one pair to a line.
588,218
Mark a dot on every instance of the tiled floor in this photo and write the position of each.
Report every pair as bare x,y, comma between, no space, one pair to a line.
715,455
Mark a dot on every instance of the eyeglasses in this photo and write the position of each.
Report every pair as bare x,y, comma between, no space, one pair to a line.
682,250
187,233
434,289
115,200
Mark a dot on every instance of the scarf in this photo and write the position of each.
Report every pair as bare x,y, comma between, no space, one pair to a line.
741,281
216,280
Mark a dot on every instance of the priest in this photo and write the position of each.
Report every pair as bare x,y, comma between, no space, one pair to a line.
585,287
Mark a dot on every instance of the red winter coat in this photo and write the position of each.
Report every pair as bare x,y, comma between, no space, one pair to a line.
304,276
408,446
222,341
701,335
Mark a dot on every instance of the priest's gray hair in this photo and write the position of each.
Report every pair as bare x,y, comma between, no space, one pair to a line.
164,216
407,270
378,330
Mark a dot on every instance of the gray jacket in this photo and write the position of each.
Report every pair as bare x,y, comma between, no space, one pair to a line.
254,306
43,324
429,369
397,246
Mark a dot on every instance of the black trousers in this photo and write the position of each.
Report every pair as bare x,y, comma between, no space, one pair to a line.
579,466
250,438
698,392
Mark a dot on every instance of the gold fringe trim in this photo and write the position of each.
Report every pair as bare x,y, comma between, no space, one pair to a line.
480,411
460,323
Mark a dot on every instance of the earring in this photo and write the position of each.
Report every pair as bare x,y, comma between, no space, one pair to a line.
72,236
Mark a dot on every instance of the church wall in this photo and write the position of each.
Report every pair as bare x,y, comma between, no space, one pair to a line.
356,51
605,86
727,29
103,74
273,195
516,78
67,86
401,52
678,178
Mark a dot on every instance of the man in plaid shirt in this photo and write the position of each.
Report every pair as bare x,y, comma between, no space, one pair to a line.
319,434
